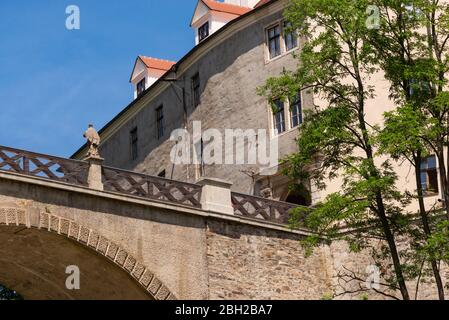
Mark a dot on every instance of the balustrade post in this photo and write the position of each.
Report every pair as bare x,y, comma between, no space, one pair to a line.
94,177
216,195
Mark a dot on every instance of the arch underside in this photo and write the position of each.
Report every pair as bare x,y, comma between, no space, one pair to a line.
34,261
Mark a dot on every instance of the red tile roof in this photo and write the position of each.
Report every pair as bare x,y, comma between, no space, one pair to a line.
158,64
225,7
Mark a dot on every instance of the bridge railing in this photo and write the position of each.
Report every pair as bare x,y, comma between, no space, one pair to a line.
136,184
43,166
151,187
261,208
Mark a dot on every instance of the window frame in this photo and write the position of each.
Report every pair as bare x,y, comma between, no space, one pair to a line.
269,39
280,23
141,86
134,140
288,117
201,36
160,126
196,88
294,37
425,184
300,115
274,118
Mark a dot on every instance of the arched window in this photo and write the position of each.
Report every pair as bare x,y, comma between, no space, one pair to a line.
300,197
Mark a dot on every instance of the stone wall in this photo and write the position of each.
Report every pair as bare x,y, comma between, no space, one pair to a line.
191,253
170,245
252,263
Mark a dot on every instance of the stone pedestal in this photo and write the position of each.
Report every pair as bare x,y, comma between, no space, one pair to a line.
216,195
94,179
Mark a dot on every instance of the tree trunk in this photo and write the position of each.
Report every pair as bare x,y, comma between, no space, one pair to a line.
425,222
391,241
442,174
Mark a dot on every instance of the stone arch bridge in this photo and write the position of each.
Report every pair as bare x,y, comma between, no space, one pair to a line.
134,236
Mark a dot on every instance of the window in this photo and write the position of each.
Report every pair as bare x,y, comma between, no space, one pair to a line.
274,41
140,87
196,89
290,38
296,111
202,171
160,121
420,87
279,116
203,32
429,175
162,174
133,139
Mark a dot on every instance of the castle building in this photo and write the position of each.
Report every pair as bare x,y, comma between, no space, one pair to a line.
239,44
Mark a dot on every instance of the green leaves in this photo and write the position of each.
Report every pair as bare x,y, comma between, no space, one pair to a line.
7,294
437,246
403,133
336,143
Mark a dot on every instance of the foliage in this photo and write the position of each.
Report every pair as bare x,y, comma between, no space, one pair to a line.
7,294
337,142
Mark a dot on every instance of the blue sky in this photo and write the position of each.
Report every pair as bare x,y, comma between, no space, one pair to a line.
53,81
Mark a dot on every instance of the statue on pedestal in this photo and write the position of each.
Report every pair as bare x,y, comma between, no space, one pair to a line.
93,142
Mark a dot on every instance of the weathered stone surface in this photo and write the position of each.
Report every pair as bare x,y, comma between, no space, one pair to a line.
138,271
65,225
54,223
112,251
74,230
102,245
21,217
130,263
121,257
163,293
2,216
192,256
250,263
154,286
93,239
44,220
146,278
44,255
84,234
11,216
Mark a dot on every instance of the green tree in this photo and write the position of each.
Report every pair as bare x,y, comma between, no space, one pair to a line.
402,51
337,140
7,294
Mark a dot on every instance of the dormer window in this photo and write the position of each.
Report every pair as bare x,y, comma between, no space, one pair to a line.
203,31
140,87
146,72
217,14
